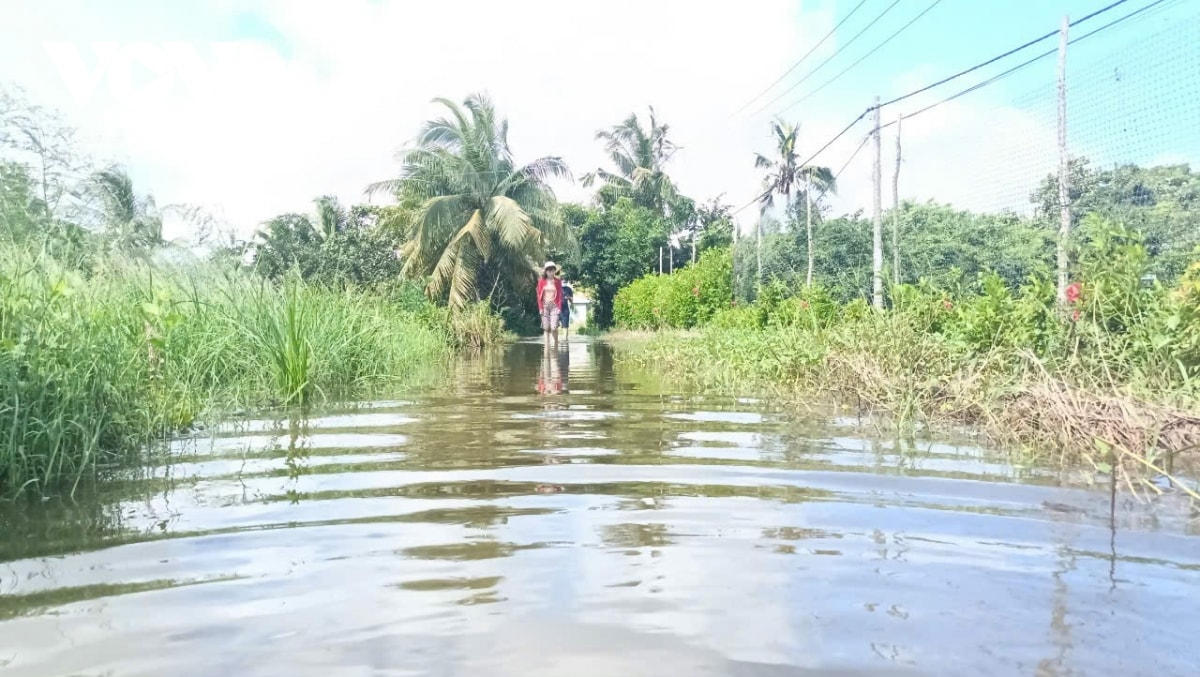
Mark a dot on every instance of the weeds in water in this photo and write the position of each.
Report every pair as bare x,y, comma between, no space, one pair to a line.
94,366
476,327
1118,366
278,329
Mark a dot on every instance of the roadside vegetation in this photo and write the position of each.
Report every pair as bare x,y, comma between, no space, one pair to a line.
112,336
973,332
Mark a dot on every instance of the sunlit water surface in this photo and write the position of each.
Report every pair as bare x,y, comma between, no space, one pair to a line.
562,514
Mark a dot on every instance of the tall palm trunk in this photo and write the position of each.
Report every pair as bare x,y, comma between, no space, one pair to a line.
808,229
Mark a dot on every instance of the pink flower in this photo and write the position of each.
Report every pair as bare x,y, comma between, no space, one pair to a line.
946,305
1075,316
1073,292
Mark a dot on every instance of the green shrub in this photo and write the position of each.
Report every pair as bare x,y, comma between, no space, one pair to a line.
689,297
635,306
743,318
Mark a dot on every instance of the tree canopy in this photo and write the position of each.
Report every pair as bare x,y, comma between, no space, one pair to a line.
483,222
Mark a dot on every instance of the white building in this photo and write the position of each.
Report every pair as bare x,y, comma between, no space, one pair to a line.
579,315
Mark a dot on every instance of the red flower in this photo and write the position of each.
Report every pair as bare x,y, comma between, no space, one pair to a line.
946,305
1073,291
1075,316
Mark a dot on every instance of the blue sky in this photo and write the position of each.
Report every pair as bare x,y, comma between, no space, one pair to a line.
317,96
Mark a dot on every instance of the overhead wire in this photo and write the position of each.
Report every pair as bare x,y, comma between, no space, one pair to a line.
1028,62
802,59
967,71
861,144
1009,53
979,85
829,58
864,57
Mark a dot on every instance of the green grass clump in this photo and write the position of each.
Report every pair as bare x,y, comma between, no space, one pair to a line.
94,365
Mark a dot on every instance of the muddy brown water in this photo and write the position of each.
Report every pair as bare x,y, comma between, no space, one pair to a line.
565,514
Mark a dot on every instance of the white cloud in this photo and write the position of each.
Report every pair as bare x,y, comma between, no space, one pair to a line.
273,126
274,132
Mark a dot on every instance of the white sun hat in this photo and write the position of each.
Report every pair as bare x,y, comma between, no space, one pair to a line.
550,264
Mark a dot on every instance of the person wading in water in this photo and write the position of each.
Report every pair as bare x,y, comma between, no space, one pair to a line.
550,295
568,306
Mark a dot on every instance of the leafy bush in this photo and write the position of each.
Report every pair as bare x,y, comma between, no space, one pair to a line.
635,306
689,297
997,318
743,317
810,307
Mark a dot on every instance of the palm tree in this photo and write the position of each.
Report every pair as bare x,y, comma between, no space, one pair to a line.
481,218
786,175
820,179
132,222
639,155
331,217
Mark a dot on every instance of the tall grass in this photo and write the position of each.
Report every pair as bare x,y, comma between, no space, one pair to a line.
95,365
1113,379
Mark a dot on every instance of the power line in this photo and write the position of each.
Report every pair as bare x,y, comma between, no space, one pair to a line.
862,144
1009,53
802,59
829,58
1029,62
864,57
750,203
980,85
837,136
1162,8
989,61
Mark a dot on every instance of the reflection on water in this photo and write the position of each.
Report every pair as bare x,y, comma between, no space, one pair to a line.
549,511
554,376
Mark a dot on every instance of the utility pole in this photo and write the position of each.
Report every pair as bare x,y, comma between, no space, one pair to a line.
671,256
758,253
660,260
808,228
1064,165
734,255
896,207
877,224
808,274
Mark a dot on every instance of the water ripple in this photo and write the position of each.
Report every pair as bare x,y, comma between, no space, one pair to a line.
615,528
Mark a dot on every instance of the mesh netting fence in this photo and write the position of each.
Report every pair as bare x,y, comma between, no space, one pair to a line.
971,183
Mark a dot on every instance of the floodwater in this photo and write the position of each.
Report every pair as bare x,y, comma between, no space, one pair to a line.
567,515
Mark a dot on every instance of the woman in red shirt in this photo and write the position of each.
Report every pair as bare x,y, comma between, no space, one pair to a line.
549,300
